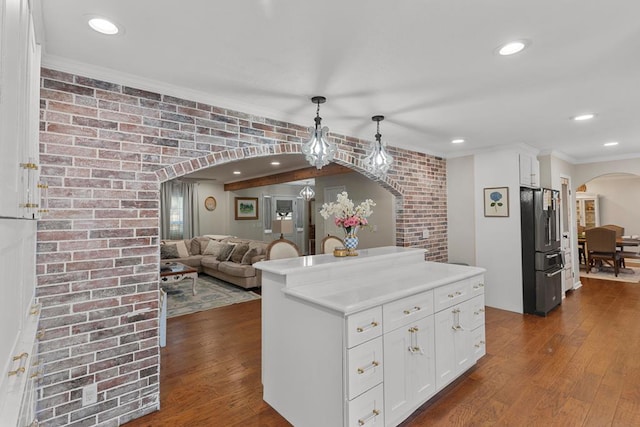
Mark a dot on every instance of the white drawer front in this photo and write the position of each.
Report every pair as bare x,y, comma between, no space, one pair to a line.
477,285
364,367
449,295
407,310
364,326
479,342
367,409
477,311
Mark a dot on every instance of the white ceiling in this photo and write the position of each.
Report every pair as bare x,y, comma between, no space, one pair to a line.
429,66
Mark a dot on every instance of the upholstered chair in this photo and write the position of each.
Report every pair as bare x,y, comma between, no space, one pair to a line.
282,248
329,243
601,246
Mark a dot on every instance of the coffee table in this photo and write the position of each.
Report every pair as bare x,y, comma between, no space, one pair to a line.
174,272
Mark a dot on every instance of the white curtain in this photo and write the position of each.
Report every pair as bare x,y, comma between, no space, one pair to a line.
179,210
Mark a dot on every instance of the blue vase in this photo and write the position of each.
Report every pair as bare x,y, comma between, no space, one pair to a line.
351,243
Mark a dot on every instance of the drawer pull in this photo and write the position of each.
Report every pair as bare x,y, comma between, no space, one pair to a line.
478,286
20,356
456,327
369,367
367,327
451,296
20,370
480,344
413,310
372,415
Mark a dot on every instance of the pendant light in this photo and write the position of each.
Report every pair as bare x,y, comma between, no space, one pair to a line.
378,161
318,151
307,192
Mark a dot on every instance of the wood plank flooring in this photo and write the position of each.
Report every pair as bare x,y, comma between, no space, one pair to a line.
580,366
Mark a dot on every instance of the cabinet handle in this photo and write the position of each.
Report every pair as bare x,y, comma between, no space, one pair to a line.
456,327
458,293
369,367
40,334
372,415
367,327
451,296
478,286
414,309
480,344
20,370
20,356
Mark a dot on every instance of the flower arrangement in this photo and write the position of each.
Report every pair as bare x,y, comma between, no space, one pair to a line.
347,215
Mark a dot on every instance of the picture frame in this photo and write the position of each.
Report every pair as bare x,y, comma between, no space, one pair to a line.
496,202
210,203
246,208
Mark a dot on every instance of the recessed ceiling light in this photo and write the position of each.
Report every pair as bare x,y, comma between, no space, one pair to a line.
237,172
103,26
610,144
275,163
583,117
457,141
512,47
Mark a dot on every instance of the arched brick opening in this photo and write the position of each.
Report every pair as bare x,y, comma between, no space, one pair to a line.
238,154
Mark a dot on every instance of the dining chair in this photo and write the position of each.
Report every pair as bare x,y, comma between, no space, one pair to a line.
601,246
619,230
329,243
280,249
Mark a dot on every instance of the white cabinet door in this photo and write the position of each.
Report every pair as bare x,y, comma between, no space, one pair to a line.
397,378
409,375
529,171
454,341
19,110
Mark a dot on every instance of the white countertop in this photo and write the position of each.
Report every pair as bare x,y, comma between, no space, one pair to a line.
328,261
378,287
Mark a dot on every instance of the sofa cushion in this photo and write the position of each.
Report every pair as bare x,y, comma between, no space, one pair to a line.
237,270
169,251
238,252
260,247
182,246
246,259
210,262
212,248
225,251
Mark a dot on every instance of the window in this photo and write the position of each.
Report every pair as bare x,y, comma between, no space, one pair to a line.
176,217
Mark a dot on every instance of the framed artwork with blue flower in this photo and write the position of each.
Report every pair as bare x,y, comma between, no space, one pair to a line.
496,201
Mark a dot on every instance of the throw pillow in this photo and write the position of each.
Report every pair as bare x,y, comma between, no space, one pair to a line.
212,248
238,253
183,252
246,259
168,251
225,251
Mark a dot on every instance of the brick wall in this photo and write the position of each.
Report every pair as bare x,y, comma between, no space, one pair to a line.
105,148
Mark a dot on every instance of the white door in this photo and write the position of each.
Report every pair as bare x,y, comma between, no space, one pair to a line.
566,224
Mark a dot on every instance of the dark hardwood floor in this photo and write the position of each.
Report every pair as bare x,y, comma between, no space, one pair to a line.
580,366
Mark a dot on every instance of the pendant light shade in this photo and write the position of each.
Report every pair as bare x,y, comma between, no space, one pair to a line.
378,161
307,192
319,151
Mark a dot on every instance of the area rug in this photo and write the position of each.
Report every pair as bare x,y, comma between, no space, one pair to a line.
211,293
628,274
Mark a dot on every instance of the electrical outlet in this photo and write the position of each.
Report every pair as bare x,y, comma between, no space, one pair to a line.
425,233
90,394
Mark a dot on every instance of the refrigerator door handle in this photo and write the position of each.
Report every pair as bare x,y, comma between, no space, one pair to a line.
554,273
552,255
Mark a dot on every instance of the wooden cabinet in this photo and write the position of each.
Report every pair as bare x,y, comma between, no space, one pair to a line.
357,343
529,171
587,210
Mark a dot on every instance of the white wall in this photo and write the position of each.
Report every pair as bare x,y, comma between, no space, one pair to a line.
498,239
461,218
216,221
359,188
588,171
619,201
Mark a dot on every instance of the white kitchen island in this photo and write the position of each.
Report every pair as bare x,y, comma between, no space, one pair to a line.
364,341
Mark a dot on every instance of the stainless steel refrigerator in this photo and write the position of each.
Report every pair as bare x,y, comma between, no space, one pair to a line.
542,260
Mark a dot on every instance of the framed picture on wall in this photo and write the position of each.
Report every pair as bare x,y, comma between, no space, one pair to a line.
496,201
246,207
